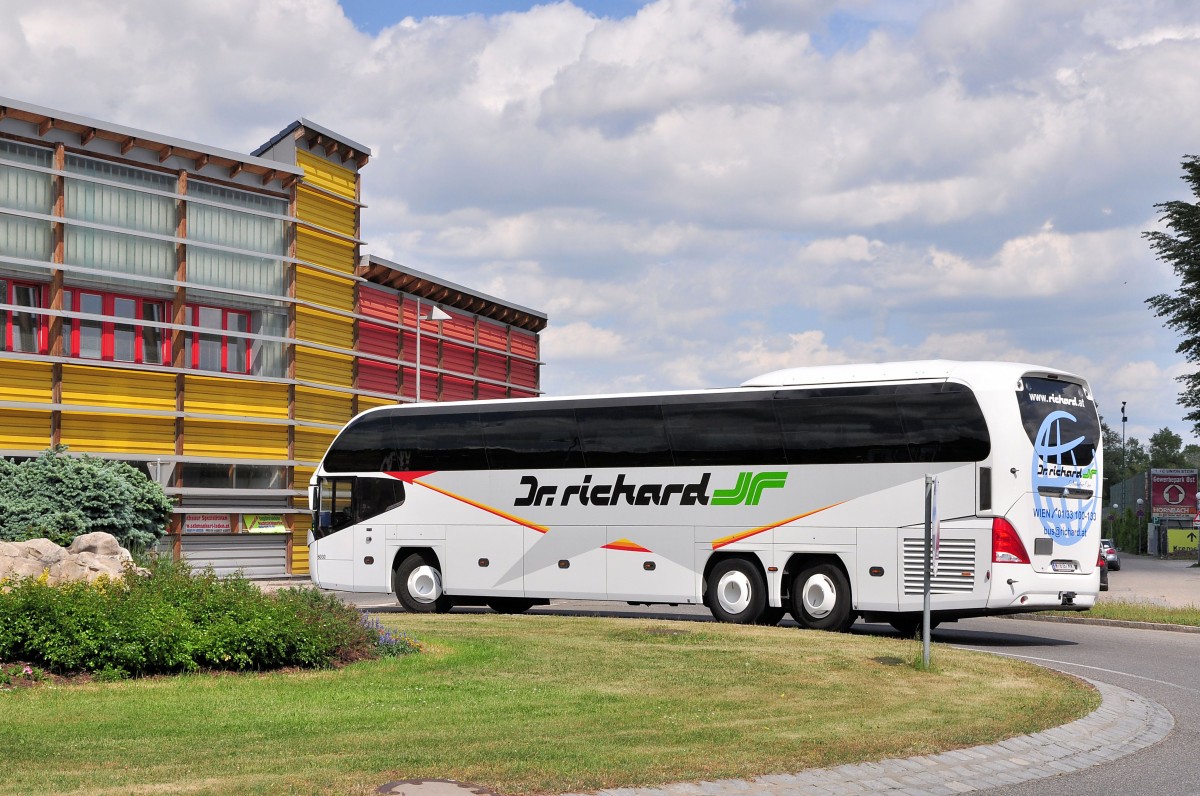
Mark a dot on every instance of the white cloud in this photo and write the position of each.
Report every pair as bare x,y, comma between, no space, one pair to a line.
710,189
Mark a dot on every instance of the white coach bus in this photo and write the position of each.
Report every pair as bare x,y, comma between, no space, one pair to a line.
800,492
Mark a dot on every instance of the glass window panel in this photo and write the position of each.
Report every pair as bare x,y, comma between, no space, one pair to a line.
67,325
153,337
90,331
25,325
120,207
119,253
267,357
210,344
853,429
21,189
116,172
25,237
124,335
235,347
187,339
243,273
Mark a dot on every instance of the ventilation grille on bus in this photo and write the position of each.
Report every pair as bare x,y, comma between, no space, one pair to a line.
955,572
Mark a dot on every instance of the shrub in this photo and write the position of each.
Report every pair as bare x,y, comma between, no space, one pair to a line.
174,620
59,497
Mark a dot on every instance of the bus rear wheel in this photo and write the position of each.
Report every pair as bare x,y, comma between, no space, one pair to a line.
418,585
737,592
820,598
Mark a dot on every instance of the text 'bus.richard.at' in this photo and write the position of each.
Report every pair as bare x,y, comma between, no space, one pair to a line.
801,492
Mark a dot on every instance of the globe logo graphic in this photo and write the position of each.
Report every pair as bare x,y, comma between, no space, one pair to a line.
1061,461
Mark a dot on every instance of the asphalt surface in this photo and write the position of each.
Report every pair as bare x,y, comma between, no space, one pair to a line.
1145,738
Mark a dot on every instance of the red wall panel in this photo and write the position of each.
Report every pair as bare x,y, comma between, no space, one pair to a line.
380,304
429,384
378,340
377,377
458,358
455,389
491,391
460,327
493,335
524,344
524,374
493,366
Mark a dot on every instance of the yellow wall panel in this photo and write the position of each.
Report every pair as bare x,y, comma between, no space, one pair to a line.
325,328
324,250
322,406
301,524
206,395
327,175
25,431
300,478
311,443
327,212
126,389
28,382
217,439
326,289
324,367
366,402
97,433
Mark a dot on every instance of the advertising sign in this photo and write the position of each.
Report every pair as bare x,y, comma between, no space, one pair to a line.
264,523
206,523
1173,494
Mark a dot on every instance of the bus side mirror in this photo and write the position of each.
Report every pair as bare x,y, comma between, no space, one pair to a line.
313,497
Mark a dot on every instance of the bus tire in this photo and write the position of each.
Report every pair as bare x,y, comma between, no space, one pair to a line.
908,625
510,605
737,592
418,585
820,598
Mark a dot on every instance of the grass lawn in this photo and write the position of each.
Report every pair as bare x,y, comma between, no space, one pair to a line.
529,704
1142,612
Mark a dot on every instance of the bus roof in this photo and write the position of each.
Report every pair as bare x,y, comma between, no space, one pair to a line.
975,374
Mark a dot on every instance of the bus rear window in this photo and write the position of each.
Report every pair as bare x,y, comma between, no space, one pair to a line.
1060,420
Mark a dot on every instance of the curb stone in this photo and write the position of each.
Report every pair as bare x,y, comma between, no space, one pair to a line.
1124,723
1084,620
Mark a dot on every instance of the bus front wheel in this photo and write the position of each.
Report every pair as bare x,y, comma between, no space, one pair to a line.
820,598
418,585
737,592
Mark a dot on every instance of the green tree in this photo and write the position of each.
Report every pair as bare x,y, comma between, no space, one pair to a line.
59,497
1166,450
1179,246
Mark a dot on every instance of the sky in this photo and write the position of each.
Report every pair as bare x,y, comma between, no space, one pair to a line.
699,191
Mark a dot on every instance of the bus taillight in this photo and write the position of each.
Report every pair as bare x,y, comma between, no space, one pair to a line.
1006,544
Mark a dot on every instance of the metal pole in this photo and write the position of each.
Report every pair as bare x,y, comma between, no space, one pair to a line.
928,567
417,324
1124,476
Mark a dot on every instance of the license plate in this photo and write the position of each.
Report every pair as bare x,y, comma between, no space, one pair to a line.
1063,566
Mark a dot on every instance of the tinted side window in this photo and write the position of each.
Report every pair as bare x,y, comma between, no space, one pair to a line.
366,445
945,427
438,442
857,429
374,496
531,439
629,436
724,432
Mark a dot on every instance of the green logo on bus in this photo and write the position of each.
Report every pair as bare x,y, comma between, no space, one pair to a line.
748,489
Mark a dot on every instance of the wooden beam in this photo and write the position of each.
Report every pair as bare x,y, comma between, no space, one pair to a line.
270,175
87,136
46,126
289,181
236,169
201,162
166,153
3,112
127,145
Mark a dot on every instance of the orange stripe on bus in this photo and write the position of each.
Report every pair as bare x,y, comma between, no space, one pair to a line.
737,537
531,526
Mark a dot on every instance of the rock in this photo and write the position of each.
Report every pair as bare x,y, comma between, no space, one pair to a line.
88,557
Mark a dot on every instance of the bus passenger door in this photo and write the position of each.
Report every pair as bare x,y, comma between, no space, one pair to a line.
654,564
566,562
483,560
371,570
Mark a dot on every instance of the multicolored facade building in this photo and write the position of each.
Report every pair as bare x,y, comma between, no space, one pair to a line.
209,317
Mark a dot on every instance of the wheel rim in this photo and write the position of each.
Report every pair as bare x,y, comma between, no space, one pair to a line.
819,596
733,592
425,584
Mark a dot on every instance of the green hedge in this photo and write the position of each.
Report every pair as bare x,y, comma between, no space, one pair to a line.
174,620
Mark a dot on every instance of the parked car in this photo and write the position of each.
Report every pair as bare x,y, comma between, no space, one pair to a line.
1103,564
1111,554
